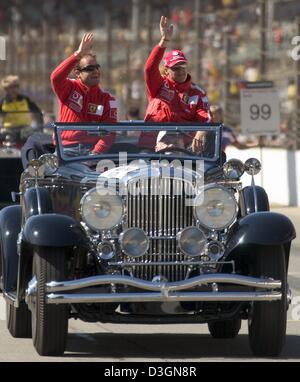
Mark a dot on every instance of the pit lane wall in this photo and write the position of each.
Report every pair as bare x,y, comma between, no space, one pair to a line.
280,175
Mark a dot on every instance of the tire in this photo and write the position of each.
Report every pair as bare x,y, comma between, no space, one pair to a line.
267,320
49,322
1,265
225,329
1,273
18,320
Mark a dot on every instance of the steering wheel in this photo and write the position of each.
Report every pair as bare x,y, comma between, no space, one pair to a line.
122,147
175,149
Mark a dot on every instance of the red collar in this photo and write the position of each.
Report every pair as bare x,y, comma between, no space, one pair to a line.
180,87
85,88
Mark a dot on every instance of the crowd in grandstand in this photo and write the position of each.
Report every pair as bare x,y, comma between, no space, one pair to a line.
41,35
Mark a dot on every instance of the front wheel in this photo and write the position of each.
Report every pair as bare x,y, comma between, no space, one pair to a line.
49,322
267,320
1,274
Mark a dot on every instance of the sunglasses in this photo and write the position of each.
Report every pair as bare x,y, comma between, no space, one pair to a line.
178,67
89,68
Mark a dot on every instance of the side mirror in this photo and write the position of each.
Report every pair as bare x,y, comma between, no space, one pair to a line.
36,168
46,163
233,169
252,166
50,162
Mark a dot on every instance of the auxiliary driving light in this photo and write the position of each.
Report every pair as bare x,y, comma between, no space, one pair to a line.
191,241
134,242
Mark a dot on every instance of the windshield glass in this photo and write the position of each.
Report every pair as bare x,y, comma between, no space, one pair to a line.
78,141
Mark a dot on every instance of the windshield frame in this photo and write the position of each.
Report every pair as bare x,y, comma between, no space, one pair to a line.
136,126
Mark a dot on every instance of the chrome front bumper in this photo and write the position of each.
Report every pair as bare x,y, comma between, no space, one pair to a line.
164,292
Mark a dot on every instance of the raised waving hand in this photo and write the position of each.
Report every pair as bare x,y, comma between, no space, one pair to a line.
86,44
166,30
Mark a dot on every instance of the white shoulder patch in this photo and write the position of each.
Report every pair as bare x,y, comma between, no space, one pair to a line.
113,104
193,100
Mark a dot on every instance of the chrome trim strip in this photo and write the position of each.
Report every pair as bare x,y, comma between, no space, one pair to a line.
254,193
60,286
165,297
179,262
38,198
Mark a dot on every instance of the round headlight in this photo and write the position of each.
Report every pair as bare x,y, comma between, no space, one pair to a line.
217,208
134,242
101,211
191,241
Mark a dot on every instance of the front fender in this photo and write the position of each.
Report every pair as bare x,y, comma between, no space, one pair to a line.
53,230
262,228
10,226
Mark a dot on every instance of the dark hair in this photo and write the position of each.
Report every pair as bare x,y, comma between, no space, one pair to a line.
86,55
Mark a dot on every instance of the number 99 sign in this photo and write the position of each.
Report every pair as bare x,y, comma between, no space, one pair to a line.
257,112
260,112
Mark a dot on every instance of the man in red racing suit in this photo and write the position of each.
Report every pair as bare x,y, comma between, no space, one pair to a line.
172,97
81,99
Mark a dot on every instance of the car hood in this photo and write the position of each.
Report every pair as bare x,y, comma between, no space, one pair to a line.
138,169
142,170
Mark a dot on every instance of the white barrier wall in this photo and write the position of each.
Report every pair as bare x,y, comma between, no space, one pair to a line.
280,175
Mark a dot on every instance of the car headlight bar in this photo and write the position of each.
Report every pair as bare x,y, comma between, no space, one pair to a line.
216,207
101,212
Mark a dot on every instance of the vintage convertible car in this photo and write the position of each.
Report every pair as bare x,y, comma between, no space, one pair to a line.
144,234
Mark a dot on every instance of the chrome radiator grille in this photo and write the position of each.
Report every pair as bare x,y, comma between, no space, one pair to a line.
158,206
